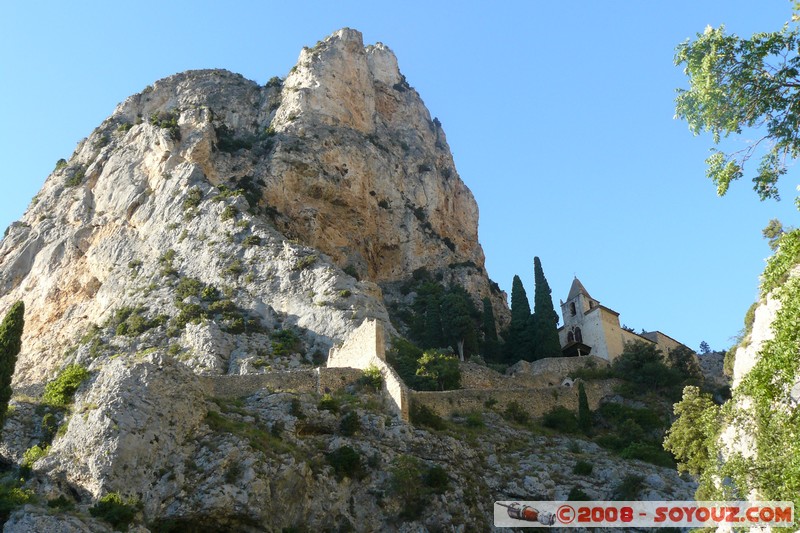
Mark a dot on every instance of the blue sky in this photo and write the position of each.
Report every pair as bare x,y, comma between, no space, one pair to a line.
559,116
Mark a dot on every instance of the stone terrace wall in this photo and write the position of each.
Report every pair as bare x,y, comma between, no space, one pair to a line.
536,402
366,347
310,380
474,376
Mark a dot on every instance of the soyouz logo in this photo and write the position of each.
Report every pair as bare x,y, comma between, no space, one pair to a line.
642,514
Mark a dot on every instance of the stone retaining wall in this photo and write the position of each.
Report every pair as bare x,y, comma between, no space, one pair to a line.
536,401
308,380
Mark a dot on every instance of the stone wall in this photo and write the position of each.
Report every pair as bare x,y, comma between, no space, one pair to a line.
310,380
536,401
366,347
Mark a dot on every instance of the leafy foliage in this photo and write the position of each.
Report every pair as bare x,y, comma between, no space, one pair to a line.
115,510
61,390
692,437
10,346
440,368
33,454
421,415
169,121
372,377
642,364
346,462
516,413
413,482
737,83
561,419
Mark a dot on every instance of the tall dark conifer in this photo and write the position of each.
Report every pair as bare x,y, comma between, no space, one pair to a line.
519,343
10,345
490,349
544,324
584,413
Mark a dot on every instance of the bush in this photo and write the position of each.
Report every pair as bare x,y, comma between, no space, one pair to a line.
251,240
228,213
61,503
328,403
422,415
437,479
372,377
583,468
33,454
475,419
350,424
285,342
305,262
169,121
12,496
651,453
440,368
628,489
561,419
577,495
346,462
49,427
515,413
61,390
114,510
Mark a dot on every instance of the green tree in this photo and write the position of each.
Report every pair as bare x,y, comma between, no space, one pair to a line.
642,364
459,321
737,83
704,348
684,360
584,413
10,346
433,322
519,344
544,322
692,437
773,232
442,368
491,346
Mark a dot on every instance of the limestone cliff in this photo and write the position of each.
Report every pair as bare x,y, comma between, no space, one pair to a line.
342,156
757,443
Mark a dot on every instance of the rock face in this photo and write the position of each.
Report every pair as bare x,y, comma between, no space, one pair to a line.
342,156
214,226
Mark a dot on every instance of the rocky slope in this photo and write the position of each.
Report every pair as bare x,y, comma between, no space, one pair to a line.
213,226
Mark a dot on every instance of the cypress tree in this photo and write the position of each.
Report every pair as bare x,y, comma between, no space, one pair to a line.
584,413
490,346
544,324
10,345
519,343
489,324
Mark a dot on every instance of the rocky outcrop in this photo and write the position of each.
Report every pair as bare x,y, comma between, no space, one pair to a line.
342,156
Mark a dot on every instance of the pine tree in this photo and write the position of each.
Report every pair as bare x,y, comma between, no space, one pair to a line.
544,324
584,413
491,347
10,345
519,344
